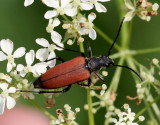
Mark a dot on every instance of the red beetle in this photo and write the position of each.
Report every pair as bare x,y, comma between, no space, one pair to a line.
74,71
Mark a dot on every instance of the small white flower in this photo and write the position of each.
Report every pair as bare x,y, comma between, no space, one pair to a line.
60,7
77,109
129,115
86,27
7,47
99,7
5,98
155,61
132,12
28,2
126,106
67,107
70,42
52,24
71,115
104,73
140,10
120,122
48,53
155,7
36,69
141,118
5,77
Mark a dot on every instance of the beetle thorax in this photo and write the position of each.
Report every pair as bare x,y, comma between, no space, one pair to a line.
96,63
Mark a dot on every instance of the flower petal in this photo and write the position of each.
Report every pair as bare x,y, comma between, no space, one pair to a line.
129,16
7,46
51,3
64,3
22,73
91,17
53,62
70,10
28,2
19,52
56,22
61,45
103,0
56,37
10,102
20,67
40,67
30,57
86,6
92,34
12,90
50,13
100,8
9,67
43,42
129,4
42,54
2,104
143,17
2,56
3,86
114,120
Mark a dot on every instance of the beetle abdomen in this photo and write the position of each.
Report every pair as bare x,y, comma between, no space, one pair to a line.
64,74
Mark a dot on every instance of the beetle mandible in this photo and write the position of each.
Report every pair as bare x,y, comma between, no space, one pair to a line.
76,70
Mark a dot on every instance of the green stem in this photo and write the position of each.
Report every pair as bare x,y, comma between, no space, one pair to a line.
148,106
124,30
144,51
42,109
89,97
66,18
107,38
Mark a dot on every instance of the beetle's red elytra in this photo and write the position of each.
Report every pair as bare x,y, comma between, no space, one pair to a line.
64,74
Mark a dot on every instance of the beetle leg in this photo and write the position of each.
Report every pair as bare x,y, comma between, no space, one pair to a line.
58,58
86,85
82,53
99,76
37,91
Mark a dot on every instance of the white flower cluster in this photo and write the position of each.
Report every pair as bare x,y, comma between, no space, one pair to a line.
142,9
69,120
127,117
71,9
17,73
148,76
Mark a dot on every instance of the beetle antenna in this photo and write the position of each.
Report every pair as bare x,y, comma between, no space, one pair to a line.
109,52
129,69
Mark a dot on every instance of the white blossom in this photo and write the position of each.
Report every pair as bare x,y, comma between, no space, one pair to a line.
5,98
60,7
28,2
52,24
86,27
140,10
7,48
47,52
36,69
99,7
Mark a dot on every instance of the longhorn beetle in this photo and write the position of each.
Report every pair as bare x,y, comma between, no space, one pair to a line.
75,70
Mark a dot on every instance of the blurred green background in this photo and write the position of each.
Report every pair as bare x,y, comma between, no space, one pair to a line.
24,24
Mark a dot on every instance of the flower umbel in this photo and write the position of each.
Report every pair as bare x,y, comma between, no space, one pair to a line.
142,9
